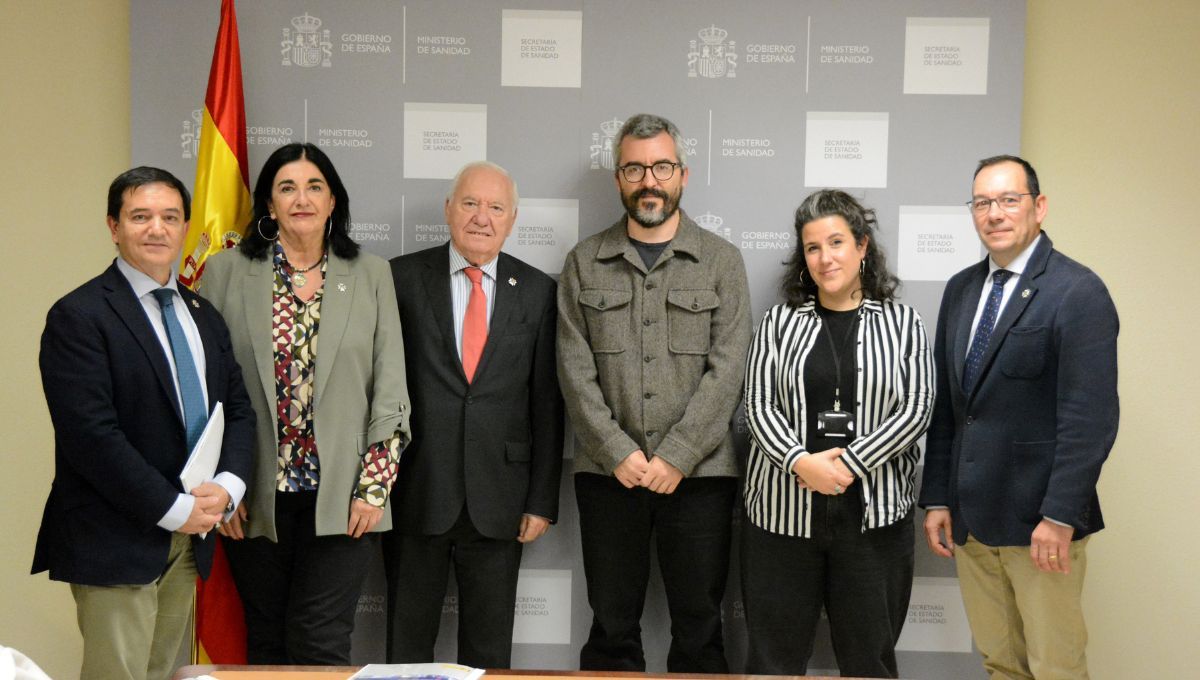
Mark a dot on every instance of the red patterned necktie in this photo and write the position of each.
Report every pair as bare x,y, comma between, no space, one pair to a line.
475,328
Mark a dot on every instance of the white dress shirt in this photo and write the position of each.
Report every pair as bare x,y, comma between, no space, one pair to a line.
143,289
460,291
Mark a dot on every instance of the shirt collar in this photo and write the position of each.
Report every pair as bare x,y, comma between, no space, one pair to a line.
868,306
279,257
1017,266
141,283
459,263
686,240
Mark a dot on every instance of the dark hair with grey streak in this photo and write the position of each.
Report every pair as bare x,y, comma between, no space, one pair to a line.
141,176
645,126
257,242
1030,174
878,283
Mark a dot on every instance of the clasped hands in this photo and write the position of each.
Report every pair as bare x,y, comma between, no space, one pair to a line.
207,510
824,472
654,474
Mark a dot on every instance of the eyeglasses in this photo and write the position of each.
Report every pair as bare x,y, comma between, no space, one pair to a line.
662,171
1007,203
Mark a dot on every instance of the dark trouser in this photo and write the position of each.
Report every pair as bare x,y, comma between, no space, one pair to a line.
864,580
691,530
486,570
300,594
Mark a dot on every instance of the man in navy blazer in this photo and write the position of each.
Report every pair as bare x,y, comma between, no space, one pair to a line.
1024,419
125,398
481,476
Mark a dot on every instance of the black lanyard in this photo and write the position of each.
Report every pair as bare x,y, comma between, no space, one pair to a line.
837,360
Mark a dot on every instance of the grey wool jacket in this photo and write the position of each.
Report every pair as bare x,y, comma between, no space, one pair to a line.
654,360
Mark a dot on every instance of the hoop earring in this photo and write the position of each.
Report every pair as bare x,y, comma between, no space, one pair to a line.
862,267
802,275
258,228
329,228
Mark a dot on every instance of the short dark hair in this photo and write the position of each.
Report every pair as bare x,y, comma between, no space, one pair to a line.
645,126
1030,174
255,244
877,282
141,176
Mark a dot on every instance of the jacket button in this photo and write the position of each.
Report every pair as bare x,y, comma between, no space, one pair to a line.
648,395
649,285
970,420
646,322
651,433
601,305
647,359
695,306
470,400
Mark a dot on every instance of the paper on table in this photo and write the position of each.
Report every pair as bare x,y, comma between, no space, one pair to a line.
417,671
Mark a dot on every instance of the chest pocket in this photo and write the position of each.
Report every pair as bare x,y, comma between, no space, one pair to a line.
607,315
689,319
1023,354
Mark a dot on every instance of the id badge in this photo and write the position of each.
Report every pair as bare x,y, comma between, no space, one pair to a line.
836,424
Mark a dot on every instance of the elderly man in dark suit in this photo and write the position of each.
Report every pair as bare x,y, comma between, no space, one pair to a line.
481,476
132,366
1025,416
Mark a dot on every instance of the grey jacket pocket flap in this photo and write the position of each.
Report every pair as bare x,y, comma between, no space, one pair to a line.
604,299
694,300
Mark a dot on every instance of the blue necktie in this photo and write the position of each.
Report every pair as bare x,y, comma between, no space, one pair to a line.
983,332
195,415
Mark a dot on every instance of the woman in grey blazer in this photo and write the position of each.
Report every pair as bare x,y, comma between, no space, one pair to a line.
839,387
316,331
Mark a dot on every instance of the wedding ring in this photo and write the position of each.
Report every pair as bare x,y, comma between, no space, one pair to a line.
1052,557
837,488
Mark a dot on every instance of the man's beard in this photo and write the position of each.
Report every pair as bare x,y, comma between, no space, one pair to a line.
650,218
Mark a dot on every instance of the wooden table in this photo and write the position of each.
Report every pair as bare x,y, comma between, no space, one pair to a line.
343,672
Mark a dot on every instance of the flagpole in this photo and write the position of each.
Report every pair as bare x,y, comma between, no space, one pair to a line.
221,208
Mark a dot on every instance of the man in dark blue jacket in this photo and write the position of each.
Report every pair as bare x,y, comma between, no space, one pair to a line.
1026,414
132,367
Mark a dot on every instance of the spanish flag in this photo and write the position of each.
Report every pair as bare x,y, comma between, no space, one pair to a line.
221,209
221,204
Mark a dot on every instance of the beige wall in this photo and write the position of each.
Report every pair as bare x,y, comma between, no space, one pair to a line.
64,134
1110,120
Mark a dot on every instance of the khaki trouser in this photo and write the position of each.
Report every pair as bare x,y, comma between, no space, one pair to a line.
135,632
1026,622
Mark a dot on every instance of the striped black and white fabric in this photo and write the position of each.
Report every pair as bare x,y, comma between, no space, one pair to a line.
895,402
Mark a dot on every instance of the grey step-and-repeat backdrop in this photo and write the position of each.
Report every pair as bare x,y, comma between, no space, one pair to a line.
894,101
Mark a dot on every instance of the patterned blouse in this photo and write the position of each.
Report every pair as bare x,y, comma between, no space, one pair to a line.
294,327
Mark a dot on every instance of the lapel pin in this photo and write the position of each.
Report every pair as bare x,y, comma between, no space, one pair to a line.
512,281
341,288
196,304
1025,293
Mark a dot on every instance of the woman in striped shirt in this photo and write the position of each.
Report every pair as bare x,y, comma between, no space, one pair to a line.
839,387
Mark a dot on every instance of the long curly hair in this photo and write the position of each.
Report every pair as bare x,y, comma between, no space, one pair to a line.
878,283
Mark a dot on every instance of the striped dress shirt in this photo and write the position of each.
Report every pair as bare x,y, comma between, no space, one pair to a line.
460,292
895,402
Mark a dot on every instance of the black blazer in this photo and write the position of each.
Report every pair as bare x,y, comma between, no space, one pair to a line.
1029,439
494,444
119,440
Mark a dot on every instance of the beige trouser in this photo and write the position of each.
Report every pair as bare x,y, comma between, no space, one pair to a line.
1027,623
135,632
